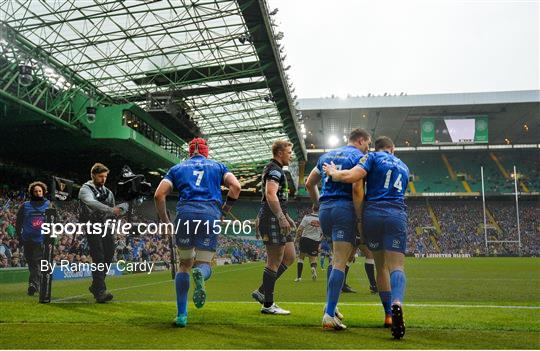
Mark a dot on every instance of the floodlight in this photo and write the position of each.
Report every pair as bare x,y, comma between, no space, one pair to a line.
25,75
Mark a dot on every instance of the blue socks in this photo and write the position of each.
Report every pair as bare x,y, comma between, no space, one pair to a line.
335,284
398,282
205,269
386,300
328,271
322,262
181,281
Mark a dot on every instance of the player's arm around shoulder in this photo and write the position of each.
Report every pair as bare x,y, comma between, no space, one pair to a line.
346,175
358,172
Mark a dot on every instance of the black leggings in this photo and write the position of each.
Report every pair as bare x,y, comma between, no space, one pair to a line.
33,252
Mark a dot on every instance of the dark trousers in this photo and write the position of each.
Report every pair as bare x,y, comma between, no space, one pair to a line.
101,251
33,253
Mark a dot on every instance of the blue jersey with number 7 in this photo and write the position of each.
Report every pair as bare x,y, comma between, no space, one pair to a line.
197,180
387,176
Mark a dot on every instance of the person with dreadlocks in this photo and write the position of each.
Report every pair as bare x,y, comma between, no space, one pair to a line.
198,213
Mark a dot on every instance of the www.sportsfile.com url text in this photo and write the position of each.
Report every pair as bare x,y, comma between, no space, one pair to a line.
114,226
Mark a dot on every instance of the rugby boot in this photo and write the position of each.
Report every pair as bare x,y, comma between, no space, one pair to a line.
258,296
398,326
180,321
199,294
329,322
274,309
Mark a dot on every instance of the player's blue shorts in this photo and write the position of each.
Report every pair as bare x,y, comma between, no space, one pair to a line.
195,225
338,220
385,226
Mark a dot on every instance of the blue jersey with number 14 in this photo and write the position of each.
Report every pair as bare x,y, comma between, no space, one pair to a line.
198,180
387,177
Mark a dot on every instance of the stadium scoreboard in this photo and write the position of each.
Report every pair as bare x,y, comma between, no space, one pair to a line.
454,130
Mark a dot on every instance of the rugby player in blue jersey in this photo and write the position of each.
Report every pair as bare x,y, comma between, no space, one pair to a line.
385,220
339,208
198,213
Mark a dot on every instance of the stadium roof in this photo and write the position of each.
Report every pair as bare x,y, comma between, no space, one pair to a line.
219,59
513,115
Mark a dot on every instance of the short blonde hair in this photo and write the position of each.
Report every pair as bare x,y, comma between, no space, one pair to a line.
280,145
98,168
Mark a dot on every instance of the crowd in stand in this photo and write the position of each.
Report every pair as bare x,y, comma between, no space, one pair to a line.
461,231
240,250
505,213
74,248
419,240
460,223
462,227
10,253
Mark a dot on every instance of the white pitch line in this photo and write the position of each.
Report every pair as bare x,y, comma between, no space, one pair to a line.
405,305
475,279
148,284
295,302
359,304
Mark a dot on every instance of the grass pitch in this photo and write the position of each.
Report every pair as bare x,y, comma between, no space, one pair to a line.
479,303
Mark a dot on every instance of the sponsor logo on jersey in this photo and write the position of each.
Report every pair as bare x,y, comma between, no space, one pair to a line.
373,245
364,159
396,243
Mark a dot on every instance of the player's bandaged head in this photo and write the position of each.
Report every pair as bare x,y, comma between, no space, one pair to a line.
198,145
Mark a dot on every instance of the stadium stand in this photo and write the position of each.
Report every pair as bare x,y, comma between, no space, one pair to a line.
429,172
463,174
437,172
136,248
455,226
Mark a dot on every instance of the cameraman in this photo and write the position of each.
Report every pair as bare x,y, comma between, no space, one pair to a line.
97,204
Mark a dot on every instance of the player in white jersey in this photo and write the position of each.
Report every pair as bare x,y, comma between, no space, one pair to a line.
309,236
